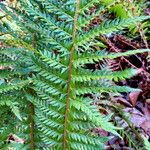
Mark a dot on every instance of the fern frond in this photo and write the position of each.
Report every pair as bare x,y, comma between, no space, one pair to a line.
11,103
86,57
52,7
52,50
88,76
85,19
108,27
86,5
92,113
16,86
56,29
43,71
53,61
147,144
103,89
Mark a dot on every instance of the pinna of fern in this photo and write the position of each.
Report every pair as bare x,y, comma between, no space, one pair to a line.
52,72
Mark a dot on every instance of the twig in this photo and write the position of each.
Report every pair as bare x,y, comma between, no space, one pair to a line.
143,36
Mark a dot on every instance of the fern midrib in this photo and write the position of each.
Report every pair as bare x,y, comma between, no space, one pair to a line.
70,74
32,126
32,111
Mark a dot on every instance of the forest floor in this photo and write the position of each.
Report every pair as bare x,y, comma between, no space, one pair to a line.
137,104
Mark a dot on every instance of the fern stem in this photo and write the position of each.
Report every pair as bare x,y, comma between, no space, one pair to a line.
70,74
32,112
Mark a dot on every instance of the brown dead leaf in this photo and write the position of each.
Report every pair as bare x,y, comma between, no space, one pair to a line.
146,127
133,96
146,111
101,132
137,118
122,100
148,101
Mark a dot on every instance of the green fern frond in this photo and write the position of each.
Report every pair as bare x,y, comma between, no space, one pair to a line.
103,89
85,19
86,57
108,27
16,86
52,50
53,7
11,103
86,5
147,143
88,76
55,28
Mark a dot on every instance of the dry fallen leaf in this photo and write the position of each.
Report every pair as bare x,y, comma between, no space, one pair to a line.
133,96
146,127
148,101
137,118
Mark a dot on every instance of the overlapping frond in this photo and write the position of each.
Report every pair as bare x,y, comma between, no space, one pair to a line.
87,57
85,19
88,76
108,27
54,7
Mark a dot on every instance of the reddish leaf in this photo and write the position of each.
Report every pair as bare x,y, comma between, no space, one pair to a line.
146,127
133,96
